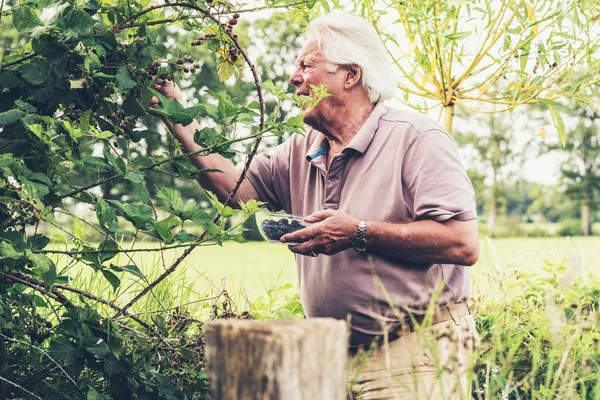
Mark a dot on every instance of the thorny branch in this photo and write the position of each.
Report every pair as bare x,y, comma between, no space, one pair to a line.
171,129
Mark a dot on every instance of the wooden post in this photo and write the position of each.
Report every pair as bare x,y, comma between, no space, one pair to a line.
277,360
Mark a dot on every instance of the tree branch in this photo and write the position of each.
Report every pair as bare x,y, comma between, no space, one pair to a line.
41,351
20,388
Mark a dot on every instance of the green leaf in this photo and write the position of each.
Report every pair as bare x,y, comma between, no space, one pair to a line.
109,249
458,35
206,137
24,18
92,62
36,72
124,81
39,261
38,242
99,350
141,191
138,214
44,265
132,269
10,117
188,210
295,122
76,22
96,161
114,281
184,237
201,218
106,215
135,176
559,124
62,349
92,394
174,111
224,69
173,197
114,366
164,227
117,163
7,250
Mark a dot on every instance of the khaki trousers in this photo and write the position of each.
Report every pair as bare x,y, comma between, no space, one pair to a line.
429,364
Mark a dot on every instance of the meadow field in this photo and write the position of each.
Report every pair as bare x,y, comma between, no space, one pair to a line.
259,272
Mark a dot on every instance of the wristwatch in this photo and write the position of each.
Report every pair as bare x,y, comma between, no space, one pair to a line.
359,243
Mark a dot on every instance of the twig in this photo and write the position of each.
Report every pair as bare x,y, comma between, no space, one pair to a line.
21,388
38,285
41,351
31,282
240,11
181,305
171,129
85,252
166,160
17,61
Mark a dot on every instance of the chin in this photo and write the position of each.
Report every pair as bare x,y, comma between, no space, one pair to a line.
311,119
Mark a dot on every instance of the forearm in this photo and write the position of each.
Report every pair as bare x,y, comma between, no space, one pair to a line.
427,241
220,183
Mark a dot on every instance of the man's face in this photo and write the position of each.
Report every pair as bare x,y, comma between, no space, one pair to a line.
312,69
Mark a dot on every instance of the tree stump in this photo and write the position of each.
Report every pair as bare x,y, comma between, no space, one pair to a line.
277,360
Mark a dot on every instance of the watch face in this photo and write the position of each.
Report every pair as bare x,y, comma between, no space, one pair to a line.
360,244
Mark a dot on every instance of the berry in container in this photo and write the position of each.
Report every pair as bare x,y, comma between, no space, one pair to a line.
274,225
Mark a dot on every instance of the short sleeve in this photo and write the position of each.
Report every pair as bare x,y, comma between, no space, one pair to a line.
269,175
436,183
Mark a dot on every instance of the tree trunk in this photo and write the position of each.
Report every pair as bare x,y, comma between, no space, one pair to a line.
493,208
448,118
586,219
277,360
492,220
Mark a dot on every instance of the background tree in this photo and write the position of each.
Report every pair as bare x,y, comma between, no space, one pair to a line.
580,173
508,53
494,154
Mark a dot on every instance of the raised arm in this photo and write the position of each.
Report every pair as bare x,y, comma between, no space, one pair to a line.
219,183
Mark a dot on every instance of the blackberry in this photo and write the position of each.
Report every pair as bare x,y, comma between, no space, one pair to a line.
275,229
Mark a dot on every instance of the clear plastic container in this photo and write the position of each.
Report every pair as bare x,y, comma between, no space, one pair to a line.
273,225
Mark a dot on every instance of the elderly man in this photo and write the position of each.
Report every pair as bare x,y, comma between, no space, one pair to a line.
394,213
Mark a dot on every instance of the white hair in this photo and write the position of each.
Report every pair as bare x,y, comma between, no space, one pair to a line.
345,39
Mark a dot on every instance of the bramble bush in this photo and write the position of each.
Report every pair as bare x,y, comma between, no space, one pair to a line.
76,80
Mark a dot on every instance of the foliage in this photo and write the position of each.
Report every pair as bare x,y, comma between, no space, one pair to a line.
75,86
470,53
543,341
580,173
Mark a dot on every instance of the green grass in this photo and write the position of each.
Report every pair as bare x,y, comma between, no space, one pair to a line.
249,270
539,336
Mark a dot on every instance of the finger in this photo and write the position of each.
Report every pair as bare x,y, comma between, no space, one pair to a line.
153,102
299,236
304,250
319,216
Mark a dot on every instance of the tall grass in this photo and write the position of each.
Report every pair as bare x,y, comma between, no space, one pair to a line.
537,311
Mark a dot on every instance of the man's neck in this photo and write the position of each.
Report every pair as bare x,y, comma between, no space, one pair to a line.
344,125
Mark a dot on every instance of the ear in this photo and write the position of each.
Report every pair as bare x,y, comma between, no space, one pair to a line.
353,76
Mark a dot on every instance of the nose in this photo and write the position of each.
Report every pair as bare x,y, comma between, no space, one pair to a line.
296,78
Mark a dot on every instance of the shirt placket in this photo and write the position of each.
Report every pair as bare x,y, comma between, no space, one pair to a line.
334,180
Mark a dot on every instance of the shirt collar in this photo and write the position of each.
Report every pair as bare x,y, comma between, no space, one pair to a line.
359,142
365,134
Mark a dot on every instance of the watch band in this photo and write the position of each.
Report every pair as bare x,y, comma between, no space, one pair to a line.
359,243
361,233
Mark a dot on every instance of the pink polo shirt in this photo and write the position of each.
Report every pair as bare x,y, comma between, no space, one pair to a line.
400,167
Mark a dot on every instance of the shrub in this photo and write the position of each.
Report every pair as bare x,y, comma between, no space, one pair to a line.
571,227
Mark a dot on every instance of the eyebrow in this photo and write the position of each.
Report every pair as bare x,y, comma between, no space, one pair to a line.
304,60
